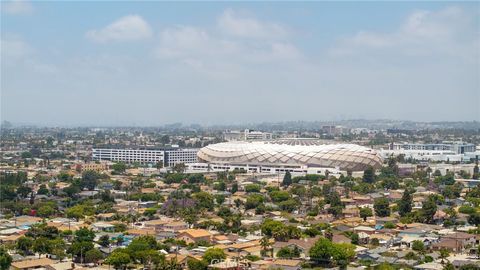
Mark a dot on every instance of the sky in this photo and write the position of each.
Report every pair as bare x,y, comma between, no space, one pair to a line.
154,63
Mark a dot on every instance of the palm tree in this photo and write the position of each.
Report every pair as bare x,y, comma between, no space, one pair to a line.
444,253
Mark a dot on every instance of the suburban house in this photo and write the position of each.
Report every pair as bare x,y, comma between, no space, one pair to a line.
194,235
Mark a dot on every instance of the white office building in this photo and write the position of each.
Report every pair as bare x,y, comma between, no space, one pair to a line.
456,147
128,155
168,157
185,156
423,155
446,151
294,170
246,135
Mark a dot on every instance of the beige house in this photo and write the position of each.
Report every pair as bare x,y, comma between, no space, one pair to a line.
194,235
32,264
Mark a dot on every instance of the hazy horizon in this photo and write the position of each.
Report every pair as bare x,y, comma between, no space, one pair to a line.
216,63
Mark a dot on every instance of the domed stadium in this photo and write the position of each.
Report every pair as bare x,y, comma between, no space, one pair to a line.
286,153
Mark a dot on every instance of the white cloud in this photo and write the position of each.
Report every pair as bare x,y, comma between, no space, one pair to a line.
232,23
128,28
241,40
17,7
202,65
440,24
14,48
285,51
422,33
188,41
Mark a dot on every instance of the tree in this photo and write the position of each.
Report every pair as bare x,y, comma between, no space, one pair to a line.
219,199
448,266
467,209
289,205
93,256
72,190
171,264
43,190
476,172
405,204
270,225
444,253
234,188
253,201
26,154
355,239
384,266
418,245
58,248
104,240
265,244
204,200
287,179
194,264
252,188
279,195
474,219
140,249
324,252
369,175
365,212
343,253
84,235
321,251
429,208
90,180
23,191
78,249
165,139
179,167
119,227
119,167
470,266
389,225
286,252
42,230
41,246
76,212
24,245
5,259
119,259
336,205
214,254
382,207
45,211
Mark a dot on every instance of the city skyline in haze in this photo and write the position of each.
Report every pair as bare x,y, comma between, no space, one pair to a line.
154,63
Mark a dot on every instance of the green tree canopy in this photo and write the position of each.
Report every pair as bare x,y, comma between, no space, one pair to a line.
5,259
405,204
382,207
287,179
214,254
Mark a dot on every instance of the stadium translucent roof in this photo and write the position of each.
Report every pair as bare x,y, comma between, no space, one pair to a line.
292,152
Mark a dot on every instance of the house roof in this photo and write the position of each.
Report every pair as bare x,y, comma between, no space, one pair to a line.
447,243
195,233
459,236
364,228
32,263
157,222
141,232
287,262
340,238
